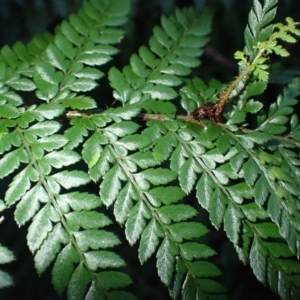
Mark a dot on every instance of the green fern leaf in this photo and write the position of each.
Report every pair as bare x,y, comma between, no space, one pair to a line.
180,271
64,267
79,282
124,203
133,142
103,259
88,72
76,133
277,120
161,43
121,129
111,185
59,159
44,128
187,230
125,113
136,222
158,176
232,223
87,220
8,140
79,201
9,56
49,110
69,179
165,260
193,250
167,195
18,187
252,212
49,143
51,246
92,149
10,161
30,204
9,111
6,255
204,269
150,240
210,287
187,175
39,228
112,279
217,207
160,92
95,239
176,213
103,164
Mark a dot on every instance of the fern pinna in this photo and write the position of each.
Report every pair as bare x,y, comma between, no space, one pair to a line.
169,137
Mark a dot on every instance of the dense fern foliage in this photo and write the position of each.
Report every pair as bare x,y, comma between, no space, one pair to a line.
87,180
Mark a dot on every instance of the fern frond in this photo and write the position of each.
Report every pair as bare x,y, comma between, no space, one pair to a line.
69,62
278,208
215,161
16,75
271,265
259,28
59,233
61,64
138,191
280,183
276,189
173,51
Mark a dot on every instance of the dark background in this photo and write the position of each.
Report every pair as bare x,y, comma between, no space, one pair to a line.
22,19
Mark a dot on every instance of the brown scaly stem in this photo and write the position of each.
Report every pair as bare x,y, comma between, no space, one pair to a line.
213,112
